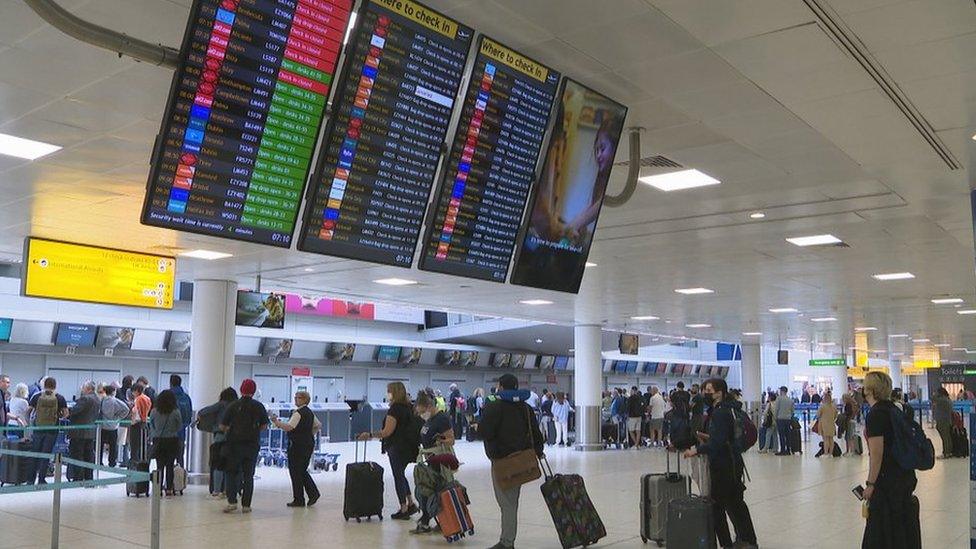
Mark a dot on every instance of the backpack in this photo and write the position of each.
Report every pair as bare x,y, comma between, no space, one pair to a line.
460,404
471,406
912,449
744,432
209,417
47,409
244,427
412,436
680,432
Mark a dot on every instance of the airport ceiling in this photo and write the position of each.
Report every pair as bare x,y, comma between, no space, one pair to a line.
848,117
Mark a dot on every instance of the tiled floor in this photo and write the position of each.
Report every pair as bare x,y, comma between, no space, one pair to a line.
795,502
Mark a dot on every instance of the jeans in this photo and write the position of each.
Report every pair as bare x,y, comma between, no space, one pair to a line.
783,428
81,449
301,479
165,450
110,438
727,500
242,458
398,465
508,502
771,445
44,443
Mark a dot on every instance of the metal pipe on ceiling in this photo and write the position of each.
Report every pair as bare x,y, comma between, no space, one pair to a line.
633,172
97,35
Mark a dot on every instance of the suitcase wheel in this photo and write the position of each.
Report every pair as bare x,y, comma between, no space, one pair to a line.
660,543
358,519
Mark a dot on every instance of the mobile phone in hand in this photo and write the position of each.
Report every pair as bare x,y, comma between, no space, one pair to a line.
858,492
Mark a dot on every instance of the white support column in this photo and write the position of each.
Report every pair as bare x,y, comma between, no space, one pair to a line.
752,386
897,380
211,354
588,381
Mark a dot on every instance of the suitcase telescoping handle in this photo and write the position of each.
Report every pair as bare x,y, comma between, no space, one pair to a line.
357,450
546,468
667,453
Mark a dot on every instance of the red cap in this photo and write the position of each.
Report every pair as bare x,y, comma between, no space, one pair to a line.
248,387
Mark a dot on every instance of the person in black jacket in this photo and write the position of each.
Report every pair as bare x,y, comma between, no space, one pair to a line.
301,429
508,425
725,465
243,421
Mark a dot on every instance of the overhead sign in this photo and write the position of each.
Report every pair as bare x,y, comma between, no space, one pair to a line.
828,362
61,270
479,205
381,151
243,117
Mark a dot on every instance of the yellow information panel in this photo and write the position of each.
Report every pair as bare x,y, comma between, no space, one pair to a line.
62,270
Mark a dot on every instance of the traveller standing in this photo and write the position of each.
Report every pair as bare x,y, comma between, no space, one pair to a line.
436,431
508,426
243,422
301,429
827,422
208,419
656,413
635,416
784,419
769,424
141,407
725,467
892,521
48,408
111,410
456,406
560,416
400,445
942,415
4,386
185,406
165,423
697,409
81,442
147,389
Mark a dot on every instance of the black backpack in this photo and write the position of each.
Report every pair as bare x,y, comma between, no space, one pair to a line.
412,436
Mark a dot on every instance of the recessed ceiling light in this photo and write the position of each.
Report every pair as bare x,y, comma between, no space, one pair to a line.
878,351
815,240
959,349
395,282
645,317
694,291
828,343
572,350
782,310
308,269
206,254
893,276
947,300
698,325
757,215
966,312
25,148
942,345
590,264
897,354
752,333
921,340
535,302
824,319
796,338
538,340
865,329
676,181
898,336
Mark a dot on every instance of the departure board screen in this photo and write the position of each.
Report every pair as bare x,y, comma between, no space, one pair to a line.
478,210
370,189
567,199
245,110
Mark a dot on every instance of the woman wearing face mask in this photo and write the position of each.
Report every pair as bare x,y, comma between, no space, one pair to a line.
437,430
399,445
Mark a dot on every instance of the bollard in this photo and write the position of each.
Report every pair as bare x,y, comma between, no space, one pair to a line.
154,509
56,509
98,448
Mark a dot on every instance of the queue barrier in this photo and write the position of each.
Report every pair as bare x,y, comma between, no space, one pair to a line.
122,476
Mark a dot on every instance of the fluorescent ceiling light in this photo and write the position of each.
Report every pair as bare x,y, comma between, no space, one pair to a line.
865,329
308,269
942,344
921,340
897,354
698,325
590,264
535,302
782,310
796,339
206,254
893,276
815,240
676,181
878,351
947,300
752,333
824,319
694,291
827,344
25,148
395,282
757,215
959,349
966,312
645,317
898,336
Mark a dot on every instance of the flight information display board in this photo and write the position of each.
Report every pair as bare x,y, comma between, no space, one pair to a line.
492,164
244,113
371,185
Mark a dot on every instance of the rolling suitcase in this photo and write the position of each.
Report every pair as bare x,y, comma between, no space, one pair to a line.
796,442
576,520
960,442
16,469
179,479
363,497
550,431
140,464
657,491
454,518
691,523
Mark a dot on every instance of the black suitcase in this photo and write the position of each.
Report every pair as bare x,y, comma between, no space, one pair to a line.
140,464
691,523
657,492
363,497
16,469
960,443
550,431
796,440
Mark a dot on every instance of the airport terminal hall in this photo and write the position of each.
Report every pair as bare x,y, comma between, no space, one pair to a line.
545,274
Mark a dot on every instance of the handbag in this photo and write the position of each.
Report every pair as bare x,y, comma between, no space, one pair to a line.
816,427
517,468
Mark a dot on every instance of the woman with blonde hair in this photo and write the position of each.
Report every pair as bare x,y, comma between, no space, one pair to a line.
400,444
827,422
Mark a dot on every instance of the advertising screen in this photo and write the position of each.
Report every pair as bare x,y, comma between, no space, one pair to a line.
244,112
276,347
75,335
469,358
501,360
387,354
562,362
6,326
378,158
628,344
411,356
567,198
260,310
448,358
547,362
62,270
340,351
518,361
479,203
179,342
111,337
661,369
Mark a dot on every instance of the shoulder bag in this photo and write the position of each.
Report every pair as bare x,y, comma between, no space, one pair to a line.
517,468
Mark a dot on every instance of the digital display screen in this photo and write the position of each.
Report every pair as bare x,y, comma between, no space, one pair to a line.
340,351
469,358
62,270
567,199
244,113
562,362
260,310
662,368
111,337
412,357
628,344
501,360
275,347
449,358
179,342
386,353
6,326
491,167
518,361
547,362
380,154
75,335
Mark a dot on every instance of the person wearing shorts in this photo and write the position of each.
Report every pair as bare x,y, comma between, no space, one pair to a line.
656,415
635,411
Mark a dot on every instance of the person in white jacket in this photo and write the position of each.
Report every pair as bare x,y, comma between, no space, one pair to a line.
560,415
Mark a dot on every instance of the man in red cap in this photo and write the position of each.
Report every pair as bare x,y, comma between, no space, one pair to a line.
243,422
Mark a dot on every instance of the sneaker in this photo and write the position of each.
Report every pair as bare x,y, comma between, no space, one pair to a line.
412,510
231,507
295,504
421,529
245,510
312,500
399,515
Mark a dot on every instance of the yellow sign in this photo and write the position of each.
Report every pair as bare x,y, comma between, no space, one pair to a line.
423,15
61,270
861,349
517,61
